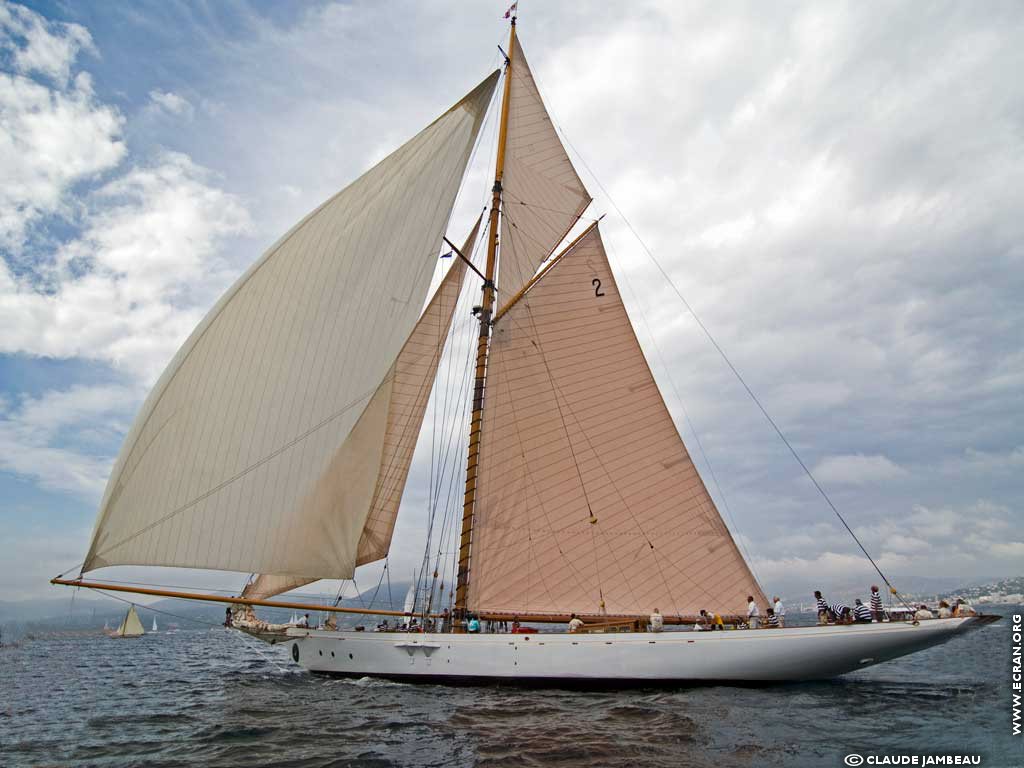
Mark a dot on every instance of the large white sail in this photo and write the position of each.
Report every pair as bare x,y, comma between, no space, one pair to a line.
542,195
588,500
225,465
388,429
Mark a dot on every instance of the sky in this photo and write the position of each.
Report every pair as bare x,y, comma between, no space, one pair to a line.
835,188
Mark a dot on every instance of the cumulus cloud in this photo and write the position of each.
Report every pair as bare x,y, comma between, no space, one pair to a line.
131,288
37,45
53,134
857,469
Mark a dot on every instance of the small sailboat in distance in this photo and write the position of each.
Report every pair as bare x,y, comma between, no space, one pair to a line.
130,626
154,625
580,498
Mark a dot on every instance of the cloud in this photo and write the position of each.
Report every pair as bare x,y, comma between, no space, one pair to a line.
171,103
140,277
856,469
40,46
52,136
62,439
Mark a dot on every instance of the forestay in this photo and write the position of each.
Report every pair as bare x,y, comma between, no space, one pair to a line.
588,500
542,195
225,465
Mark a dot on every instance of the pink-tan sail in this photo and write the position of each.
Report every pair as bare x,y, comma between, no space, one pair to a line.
588,500
542,195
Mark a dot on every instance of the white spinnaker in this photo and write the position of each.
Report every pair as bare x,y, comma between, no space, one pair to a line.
542,195
223,466
404,393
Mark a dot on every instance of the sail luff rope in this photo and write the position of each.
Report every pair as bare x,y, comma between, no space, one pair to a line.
732,368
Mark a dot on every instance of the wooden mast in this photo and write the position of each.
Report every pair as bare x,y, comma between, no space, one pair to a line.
483,343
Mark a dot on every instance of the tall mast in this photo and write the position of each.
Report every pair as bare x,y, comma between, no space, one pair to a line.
483,343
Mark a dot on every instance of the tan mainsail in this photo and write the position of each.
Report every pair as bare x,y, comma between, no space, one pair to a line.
404,395
588,500
130,625
542,195
225,465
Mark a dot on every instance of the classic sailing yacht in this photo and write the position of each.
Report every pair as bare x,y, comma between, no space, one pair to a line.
130,626
279,439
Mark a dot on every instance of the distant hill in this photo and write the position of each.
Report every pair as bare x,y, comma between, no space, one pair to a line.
89,610
997,591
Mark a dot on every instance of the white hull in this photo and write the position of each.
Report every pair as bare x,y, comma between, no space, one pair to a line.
771,655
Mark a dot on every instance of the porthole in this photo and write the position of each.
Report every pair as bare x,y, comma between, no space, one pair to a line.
332,654
320,652
350,655
295,652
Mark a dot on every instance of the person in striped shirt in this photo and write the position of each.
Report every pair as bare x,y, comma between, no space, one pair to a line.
861,613
772,619
876,603
822,607
840,613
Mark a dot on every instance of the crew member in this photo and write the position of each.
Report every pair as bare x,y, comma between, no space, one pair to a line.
753,615
657,621
822,607
780,611
861,613
876,603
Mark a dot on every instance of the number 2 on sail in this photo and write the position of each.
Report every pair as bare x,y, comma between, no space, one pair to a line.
597,287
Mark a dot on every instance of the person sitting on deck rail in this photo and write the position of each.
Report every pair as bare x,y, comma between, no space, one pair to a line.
303,621
963,609
575,623
473,625
227,616
822,607
861,613
876,603
840,613
772,620
923,613
717,623
753,614
944,611
657,621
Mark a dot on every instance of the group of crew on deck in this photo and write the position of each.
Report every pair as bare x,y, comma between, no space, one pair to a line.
840,613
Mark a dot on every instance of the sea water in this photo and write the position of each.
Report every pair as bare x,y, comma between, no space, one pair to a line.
213,697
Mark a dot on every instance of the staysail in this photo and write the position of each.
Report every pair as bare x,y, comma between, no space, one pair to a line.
388,429
588,500
542,195
225,465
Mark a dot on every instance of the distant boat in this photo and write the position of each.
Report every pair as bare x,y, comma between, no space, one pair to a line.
154,625
130,626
